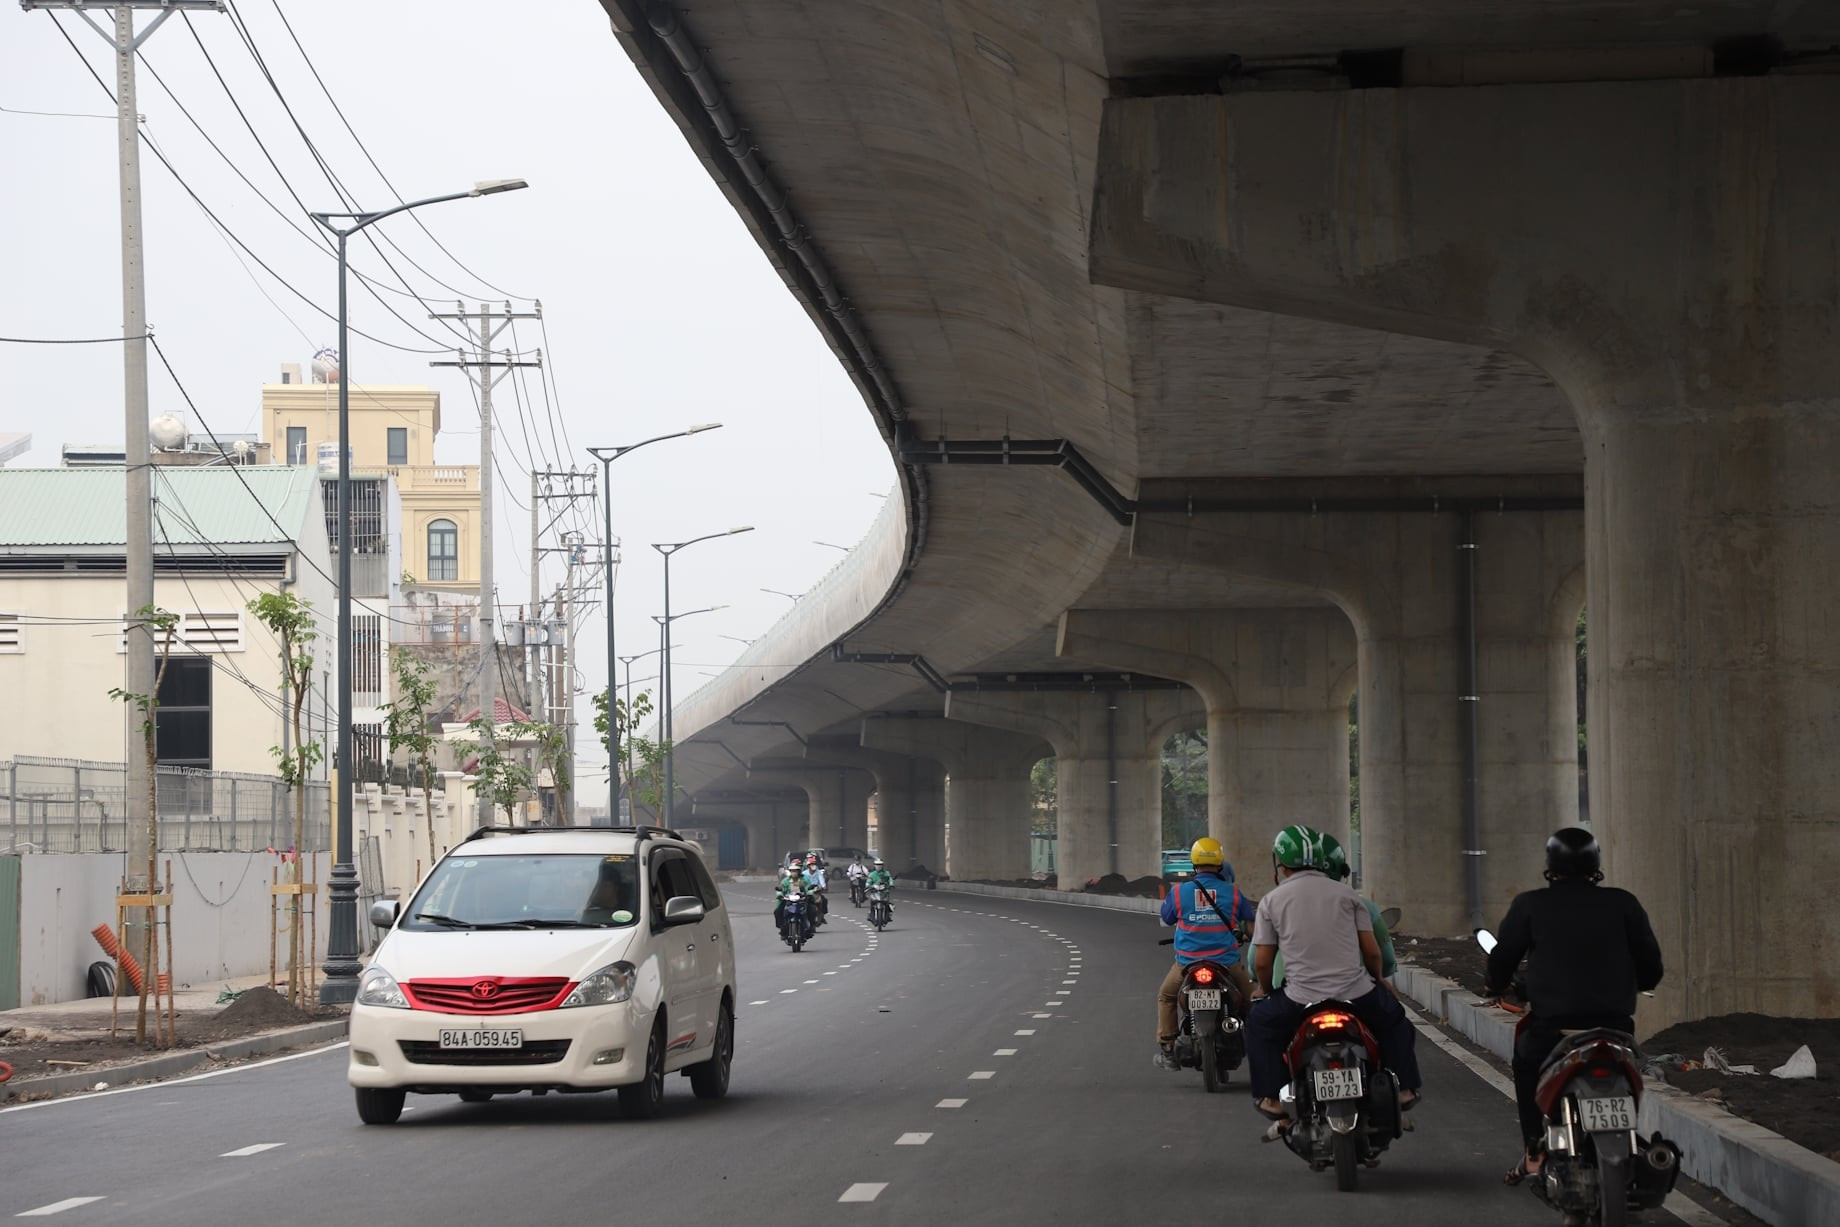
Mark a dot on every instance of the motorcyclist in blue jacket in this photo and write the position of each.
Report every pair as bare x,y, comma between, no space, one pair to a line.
1207,912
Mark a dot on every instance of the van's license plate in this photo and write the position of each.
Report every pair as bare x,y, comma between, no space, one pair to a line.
1337,1084
487,1037
1203,999
1607,1114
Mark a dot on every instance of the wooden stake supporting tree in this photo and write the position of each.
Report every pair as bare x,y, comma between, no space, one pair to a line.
152,620
291,621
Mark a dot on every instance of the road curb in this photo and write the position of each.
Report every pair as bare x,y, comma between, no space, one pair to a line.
1782,1183
1115,903
172,1063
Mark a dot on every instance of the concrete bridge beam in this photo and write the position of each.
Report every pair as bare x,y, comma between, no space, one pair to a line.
1647,244
988,801
1108,748
1276,683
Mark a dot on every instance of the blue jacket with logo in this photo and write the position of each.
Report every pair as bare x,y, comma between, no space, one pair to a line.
1200,932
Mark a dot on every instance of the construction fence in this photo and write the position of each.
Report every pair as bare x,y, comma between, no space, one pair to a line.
68,805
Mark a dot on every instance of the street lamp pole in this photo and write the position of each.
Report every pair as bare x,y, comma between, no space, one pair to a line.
607,455
341,967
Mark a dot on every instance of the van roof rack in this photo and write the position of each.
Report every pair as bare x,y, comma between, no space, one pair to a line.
643,832
648,832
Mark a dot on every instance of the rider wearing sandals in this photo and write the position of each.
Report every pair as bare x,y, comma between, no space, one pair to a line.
1207,912
1589,949
1330,953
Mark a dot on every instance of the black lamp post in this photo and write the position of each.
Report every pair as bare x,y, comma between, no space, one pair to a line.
341,967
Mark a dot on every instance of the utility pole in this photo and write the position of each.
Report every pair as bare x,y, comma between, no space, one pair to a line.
480,369
533,664
138,543
566,487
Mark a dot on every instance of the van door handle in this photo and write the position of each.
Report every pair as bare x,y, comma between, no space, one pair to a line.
691,946
715,937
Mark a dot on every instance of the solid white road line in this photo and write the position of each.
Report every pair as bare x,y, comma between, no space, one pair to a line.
863,1192
983,1074
216,1073
257,1149
1679,1205
57,1207
912,1139
951,1103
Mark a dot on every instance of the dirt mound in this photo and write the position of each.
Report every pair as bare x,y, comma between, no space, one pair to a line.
1117,884
262,1007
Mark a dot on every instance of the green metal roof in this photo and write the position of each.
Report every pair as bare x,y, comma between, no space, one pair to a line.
87,508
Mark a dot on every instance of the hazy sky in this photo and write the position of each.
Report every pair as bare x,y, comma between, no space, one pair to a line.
661,310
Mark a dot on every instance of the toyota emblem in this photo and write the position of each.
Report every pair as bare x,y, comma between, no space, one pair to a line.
485,990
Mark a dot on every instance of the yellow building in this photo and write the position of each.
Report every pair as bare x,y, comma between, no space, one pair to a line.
393,429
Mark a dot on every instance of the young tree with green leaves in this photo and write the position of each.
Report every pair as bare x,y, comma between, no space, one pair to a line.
406,726
644,780
500,776
291,621
154,621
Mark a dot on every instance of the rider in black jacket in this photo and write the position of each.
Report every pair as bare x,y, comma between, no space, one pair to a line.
1589,950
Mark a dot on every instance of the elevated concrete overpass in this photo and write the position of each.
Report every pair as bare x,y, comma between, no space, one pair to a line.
1244,358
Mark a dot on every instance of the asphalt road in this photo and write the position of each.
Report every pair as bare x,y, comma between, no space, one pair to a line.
983,1061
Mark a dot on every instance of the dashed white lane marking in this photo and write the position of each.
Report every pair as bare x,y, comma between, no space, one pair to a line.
982,1074
256,1149
57,1207
1679,1205
1076,982
863,1192
784,991
757,1003
951,1103
811,981
828,973
1048,1015
913,1139
1004,1052
1063,992
1029,1031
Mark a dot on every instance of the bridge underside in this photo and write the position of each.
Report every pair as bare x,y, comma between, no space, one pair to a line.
1243,359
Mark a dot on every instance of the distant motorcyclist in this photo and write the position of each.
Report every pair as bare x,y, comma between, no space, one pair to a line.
857,871
1330,954
879,877
1207,912
791,883
1589,950
815,882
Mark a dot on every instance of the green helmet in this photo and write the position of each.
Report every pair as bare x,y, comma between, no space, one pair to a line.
1336,860
1300,847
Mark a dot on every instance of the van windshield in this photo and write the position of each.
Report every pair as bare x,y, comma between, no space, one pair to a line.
539,891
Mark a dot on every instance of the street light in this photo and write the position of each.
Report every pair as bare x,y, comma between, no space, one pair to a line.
738,639
790,596
832,545
607,455
340,986
670,751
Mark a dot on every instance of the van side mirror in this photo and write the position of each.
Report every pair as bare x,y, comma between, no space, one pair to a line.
383,912
683,910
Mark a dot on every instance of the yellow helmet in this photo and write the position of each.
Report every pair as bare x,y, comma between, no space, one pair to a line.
1207,851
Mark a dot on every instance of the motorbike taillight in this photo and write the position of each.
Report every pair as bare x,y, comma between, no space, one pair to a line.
1204,975
1331,1020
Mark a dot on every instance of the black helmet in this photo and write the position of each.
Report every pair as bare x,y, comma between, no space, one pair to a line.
1572,852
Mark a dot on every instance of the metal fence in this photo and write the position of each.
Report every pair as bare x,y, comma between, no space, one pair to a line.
67,805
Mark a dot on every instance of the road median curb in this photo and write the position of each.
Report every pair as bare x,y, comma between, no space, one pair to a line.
1762,1171
1115,903
170,1064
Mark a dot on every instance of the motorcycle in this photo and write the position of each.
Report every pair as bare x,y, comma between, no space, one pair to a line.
795,926
880,913
1211,1017
1347,1103
1597,1168
859,893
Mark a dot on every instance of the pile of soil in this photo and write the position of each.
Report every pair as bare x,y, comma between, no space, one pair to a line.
1804,1110
1046,883
32,1050
1147,887
1459,959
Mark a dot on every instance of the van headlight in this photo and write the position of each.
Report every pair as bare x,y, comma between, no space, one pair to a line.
612,983
378,987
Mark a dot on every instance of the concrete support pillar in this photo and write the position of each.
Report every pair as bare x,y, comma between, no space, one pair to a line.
1276,683
988,801
1108,765
768,821
910,806
1677,304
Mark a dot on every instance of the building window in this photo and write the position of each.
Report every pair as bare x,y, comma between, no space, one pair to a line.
443,551
296,445
182,731
398,445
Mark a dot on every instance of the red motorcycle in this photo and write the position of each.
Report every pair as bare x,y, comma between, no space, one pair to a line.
1597,1167
1347,1102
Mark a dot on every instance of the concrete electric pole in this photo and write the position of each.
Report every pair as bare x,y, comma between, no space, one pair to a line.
480,366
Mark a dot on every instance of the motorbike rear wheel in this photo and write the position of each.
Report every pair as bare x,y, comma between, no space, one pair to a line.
1612,1194
1347,1161
1205,1027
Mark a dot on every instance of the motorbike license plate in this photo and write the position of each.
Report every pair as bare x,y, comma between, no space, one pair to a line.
1203,999
1337,1084
485,1037
1607,1114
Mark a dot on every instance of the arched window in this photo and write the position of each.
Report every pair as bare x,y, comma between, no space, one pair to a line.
443,551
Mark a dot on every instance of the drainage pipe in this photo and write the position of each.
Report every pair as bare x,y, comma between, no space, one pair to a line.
1469,701
1111,770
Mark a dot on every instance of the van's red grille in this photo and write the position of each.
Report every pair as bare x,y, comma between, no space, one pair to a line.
488,994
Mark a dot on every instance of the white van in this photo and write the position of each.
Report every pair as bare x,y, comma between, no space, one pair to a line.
549,959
